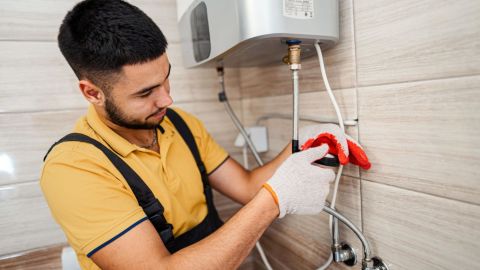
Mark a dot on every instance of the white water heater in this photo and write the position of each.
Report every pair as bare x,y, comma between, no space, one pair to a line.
242,33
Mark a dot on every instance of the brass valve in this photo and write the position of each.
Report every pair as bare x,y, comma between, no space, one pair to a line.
293,57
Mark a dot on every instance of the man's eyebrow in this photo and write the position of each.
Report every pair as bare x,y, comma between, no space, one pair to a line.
148,88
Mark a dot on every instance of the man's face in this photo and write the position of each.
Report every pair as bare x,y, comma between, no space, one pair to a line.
141,95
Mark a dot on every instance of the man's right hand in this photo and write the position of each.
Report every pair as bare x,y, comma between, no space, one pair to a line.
299,187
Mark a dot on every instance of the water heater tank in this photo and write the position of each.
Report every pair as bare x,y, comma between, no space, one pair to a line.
254,32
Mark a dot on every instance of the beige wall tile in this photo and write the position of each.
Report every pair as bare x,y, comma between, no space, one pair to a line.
303,242
192,84
40,20
25,139
339,61
399,41
423,136
42,258
411,230
164,14
34,76
31,19
26,222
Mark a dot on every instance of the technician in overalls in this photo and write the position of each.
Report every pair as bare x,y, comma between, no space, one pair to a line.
131,186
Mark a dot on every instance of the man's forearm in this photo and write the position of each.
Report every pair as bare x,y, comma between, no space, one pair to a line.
261,174
230,244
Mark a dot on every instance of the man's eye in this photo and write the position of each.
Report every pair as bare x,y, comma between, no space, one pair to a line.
146,94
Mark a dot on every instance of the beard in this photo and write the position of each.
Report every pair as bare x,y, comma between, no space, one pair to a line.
118,117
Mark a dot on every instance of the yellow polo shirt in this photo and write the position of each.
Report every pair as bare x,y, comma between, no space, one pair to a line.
93,203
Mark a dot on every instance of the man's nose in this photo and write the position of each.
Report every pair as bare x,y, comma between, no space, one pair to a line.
164,99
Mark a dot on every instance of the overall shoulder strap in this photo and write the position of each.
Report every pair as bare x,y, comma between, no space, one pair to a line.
187,136
145,197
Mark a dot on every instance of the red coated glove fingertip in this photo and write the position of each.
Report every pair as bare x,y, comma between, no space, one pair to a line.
358,156
366,166
342,158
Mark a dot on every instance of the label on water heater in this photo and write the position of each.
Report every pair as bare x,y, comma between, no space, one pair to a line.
298,9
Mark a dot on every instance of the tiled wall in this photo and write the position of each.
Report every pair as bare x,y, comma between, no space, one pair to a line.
410,72
40,102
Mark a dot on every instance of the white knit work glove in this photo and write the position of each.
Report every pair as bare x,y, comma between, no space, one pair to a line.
299,187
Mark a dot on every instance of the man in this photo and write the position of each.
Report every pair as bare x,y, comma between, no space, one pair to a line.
119,56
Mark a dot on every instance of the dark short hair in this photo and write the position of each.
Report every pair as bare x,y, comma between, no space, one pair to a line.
98,37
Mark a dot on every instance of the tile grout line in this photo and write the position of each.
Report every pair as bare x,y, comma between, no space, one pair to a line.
43,111
421,192
420,80
84,108
29,40
20,183
357,110
174,42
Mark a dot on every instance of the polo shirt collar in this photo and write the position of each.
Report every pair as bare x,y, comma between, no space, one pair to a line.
115,141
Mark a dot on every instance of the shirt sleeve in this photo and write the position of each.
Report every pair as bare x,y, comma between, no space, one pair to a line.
212,154
89,202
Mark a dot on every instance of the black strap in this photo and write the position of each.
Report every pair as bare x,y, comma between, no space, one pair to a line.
145,197
187,136
212,221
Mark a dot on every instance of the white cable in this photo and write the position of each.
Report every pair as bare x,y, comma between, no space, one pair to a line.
327,86
245,156
327,263
262,255
342,126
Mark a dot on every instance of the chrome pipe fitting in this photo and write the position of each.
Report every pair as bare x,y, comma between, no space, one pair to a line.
344,253
374,263
368,263
366,247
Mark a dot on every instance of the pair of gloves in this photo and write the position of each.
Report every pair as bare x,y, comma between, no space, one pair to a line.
297,186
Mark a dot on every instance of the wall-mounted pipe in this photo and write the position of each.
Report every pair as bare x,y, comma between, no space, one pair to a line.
222,96
293,60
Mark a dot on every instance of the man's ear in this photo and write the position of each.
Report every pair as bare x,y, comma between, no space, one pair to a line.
91,92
